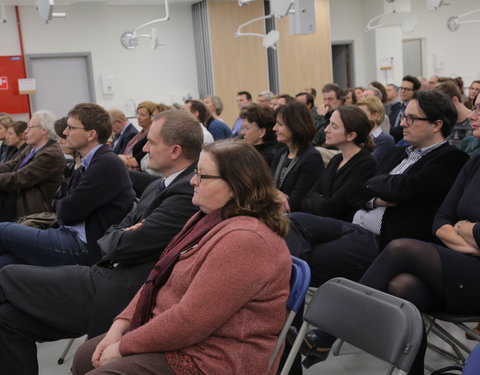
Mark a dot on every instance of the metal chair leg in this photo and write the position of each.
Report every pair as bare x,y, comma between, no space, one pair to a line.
65,352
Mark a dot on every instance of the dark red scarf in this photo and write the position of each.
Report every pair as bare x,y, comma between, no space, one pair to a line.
189,236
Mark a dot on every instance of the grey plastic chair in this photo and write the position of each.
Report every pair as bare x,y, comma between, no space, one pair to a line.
385,326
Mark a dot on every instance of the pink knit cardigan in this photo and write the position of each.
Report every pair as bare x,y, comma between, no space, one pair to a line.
223,306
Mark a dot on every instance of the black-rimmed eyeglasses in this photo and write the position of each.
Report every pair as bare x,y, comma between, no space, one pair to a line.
410,119
205,176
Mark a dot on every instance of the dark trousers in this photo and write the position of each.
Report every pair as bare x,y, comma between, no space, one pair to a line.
8,206
136,364
42,304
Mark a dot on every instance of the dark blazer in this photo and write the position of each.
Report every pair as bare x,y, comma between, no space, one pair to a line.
37,181
122,142
218,129
308,168
394,111
417,193
383,145
137,150
329,195
136,252
268,150
101,197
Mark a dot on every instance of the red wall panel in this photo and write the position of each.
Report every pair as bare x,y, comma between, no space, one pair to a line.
11,69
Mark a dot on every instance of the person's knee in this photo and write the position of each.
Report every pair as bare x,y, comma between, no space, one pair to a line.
401,285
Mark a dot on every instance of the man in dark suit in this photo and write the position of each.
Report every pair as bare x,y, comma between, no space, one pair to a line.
49,304
122,130
101,195
410,86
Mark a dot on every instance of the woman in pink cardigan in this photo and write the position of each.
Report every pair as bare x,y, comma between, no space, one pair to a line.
215,301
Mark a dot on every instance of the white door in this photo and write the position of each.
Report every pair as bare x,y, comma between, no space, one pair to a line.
63,80
412,57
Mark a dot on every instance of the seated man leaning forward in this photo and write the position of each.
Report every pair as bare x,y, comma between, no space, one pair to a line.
101,196
40,303
29,181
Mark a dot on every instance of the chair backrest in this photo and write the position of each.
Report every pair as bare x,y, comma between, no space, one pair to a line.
380,324
299,283
472,364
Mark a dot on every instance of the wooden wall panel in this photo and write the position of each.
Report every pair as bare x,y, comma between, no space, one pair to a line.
305,60
238,63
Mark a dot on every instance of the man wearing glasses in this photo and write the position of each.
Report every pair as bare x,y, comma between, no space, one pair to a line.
100,195
46,304
410,184
29,181
407,90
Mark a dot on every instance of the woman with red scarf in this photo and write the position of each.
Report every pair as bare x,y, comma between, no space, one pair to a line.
215,301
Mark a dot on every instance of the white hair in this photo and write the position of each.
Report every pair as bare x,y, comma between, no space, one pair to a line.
47,121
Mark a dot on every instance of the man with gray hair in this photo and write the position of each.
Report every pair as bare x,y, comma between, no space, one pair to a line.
99,195
29,181
264,98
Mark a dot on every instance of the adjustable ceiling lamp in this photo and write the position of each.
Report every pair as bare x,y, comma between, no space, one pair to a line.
454,23
3,13
129,39
45,10
279,9
408,25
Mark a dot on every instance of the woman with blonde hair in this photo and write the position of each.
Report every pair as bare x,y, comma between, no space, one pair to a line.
133,153
375,111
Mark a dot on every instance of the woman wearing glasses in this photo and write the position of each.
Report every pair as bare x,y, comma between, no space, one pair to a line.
215,301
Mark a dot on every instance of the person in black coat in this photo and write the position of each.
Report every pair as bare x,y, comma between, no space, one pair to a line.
298,166
38,303
348,131
433,276
257,130
408,188
122,130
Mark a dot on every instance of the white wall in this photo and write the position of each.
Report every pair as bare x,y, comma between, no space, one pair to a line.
349,18
162,75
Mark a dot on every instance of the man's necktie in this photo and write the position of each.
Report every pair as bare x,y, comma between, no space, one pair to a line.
27,159
161,186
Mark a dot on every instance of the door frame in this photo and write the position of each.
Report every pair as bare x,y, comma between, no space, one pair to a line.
88,64
351,60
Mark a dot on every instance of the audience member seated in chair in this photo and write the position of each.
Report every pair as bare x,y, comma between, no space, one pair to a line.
29,181
401,200
40,303
122,130
225,276
133,153
16,138
5,150
348,131
101,197
375,111
433,276
257,130
297,167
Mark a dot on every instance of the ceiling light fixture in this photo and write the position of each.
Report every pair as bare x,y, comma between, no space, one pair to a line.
3,13
129,39
280,9
454,23
45,10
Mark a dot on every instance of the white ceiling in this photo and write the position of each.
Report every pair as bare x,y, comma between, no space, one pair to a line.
99,2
